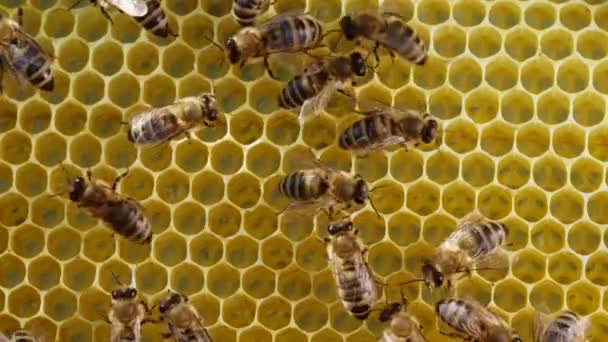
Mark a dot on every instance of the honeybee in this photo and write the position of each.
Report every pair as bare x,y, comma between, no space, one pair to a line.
402,326
323,188
473,322
183,320
354,278
158,125
121,213
388,30
21,336
22,55
283,33
127,315
313,89
567,327
471,246
387,126
246,11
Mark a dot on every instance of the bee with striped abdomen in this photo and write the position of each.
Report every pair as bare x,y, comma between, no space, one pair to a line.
472,246
119,212
388,126
353,276
22,55
127,315
183,320
389,30
401,325
567,327
21,336
473,322
158,125
313,89
245,12
283,33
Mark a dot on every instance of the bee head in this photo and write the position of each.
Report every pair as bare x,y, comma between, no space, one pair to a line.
432,277
78,187
516,338
335,228
361,191
389,311
357,63
209,106
347,27
171,301
430,131
234,55
124,293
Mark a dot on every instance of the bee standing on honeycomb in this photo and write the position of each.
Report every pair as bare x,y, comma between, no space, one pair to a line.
353,276
389,30
183,320
127,315
159,125
148,13
567,327
313,89
21,336
245,12
401,325
22,55
283,33
121,213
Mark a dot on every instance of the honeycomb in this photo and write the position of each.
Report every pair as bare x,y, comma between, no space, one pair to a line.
520,87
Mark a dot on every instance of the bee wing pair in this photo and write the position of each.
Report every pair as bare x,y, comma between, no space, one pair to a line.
134,8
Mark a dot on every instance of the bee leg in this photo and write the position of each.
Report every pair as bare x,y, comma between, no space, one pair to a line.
89,175
455,335
20,16
166,335
118,179
267,66
105,14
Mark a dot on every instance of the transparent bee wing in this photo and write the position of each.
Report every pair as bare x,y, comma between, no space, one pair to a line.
538,327
3,338
282,16
134,8
318,103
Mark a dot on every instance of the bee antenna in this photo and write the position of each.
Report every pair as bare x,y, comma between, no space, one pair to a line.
374,207
116,278
416,280
379,187
73,6
211,41
330,32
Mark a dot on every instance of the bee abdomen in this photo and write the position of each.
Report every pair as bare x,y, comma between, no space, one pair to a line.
34,66
22,336
366,132
152,128
245,11
302,88
155,20
128,221
454,312
303,186
406,42
488,236
294,33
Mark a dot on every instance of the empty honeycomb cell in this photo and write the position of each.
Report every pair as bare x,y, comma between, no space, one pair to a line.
533,139
15,147
548,236
13,271
113,271
27,241
207,64
423,198
517,107
104,120
177,60
393,74
44,273
172,186
134,252
85,151
170,249
337,158
59,304
226,157
61,25
255,333
540,15
124,90
150,277
195,29
469,12
553,107
223,280
442,167
282,128
406,166
547,295
42,327
550,173
458,199
445,103
263,159
432,75
473,287
224,220
206,249
410,97
6,178
222,333
157,158
465,75
75,329
187,279
263,98
521,44
529,266
189,218
246,127
595,208
584,238
324,287
260,222
596,267
272,196
230,94
138,183
583,298
569,141
277,252
107,58
34,116
319,132
504,14
193,85
565,267
449,41
91,24
296,226
73,55
30,180
13,209
537,76
567,206
501,73
494,202
437,228
385,259
588,108
79,218
592,44
497,138
182,8
597,144
142,58
371,227
120,153
310,315
310,254
92,304
573,76
79,274
70,118
461,136
372,167
387,197
599,74
242,251
8,115
99,244
207,187
238,311
328,11
478,169
575,16
158,214
433,12
294,284
24,301
556,44
159,90
341,321
88,87
259,282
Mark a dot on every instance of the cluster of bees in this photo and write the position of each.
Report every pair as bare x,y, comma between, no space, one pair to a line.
474,245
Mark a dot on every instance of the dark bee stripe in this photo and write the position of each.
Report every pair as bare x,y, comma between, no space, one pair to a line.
302,186
245,11
361,311
155,21
287,32
370,130
126,219
33,65
302,88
